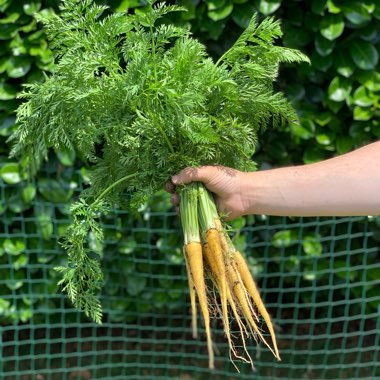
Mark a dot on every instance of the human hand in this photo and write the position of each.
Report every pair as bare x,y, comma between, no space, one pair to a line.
227,185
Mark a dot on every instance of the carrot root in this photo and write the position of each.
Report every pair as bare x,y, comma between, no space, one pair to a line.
253,291
194,257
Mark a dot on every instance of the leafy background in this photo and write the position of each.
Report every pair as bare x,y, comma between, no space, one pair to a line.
337,98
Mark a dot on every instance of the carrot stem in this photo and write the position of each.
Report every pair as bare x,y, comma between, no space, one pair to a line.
194,256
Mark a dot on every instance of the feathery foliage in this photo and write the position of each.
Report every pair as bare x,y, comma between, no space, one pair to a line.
138,100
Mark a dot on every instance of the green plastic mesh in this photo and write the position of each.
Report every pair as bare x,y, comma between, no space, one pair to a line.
319,278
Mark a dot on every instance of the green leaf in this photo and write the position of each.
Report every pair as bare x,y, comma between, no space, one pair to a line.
14,247
220,13
32,7
66,157
325,138
318,6
20,262
321,63
369,32
324,46
293,37
268,7
332,7
332,26
16,203
135,284
344,144
7,91
124,5
364,55
44,224
55,191
343,63
369,79
10,173
304,130
339,89
18,67
7,125
356,13
242,14
312,246
215,4
15,280
362,114
4,306
11,18
361,97
28,193
313,154
284,239
375,128
323,118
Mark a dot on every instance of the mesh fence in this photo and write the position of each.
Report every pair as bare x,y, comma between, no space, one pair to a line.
319,278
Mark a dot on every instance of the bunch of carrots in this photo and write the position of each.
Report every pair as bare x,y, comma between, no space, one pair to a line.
209,252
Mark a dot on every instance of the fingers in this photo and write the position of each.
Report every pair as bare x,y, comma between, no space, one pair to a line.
189,175
169,187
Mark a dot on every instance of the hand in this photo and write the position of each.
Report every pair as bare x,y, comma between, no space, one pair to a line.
225,183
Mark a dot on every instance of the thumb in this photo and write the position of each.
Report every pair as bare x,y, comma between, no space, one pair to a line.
189,174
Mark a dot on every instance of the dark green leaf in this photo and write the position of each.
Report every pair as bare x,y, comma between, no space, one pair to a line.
343,63
324,46
242,14
312,155
344,144
135,284
339,89
356,13
18,67
54,191
318,6
332,26
364,55
45,224
7,91
369,79
7,124
321,63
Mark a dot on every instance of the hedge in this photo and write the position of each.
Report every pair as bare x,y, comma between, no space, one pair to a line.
337,98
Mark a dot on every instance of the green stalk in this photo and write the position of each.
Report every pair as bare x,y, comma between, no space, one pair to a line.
207,209
189,213
109,188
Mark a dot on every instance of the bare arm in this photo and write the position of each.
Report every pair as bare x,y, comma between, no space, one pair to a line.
345,185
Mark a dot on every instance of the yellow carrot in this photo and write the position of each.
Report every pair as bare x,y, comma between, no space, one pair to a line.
194,259
253,291
192,299
217,263
241,296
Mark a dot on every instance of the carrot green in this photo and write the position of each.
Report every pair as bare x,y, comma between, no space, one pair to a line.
138,98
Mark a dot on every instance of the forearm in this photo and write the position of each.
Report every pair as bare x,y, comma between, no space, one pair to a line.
344,185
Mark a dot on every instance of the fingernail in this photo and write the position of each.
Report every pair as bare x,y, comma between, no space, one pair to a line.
175,179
